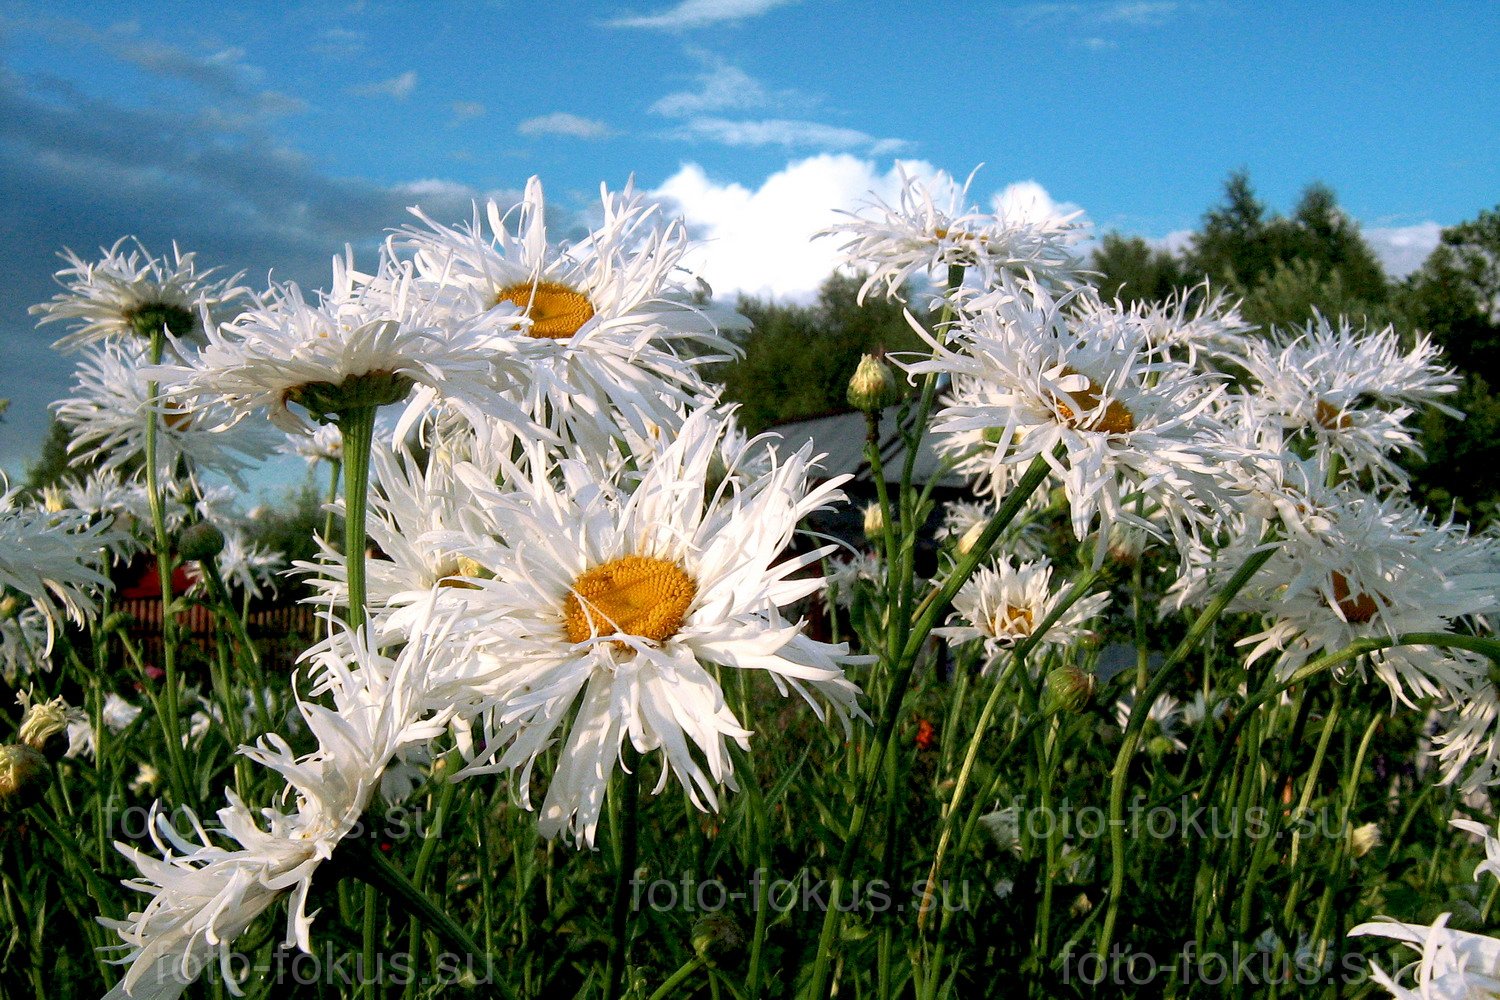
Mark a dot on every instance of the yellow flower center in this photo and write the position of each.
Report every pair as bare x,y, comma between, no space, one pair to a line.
557,311
463,566
1332,418
1114,418
635,595
1358,608
1014,621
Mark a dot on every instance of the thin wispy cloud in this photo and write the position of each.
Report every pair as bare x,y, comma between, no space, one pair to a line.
466,111
722,86
1115,12
696,14
788,133
1402,249
562,123
399,87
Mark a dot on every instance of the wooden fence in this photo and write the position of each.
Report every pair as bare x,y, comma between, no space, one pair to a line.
280,632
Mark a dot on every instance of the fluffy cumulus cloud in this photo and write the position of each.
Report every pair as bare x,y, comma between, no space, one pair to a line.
760,240
1402,249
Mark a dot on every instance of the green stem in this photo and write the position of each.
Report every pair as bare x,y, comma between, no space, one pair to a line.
679,977
1142,706
619,920
936,604
357,427
170,715
335,466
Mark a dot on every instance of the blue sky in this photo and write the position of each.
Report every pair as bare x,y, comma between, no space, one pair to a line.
266,137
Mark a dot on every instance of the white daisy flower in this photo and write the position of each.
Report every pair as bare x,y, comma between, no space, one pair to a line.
23,640
55,559
323,444
204,895
1030,376
1453,965
1164,719
1002,605
1350,393
112,406
621,596
366,341
608,322
130,292
933,227
413,508
247,566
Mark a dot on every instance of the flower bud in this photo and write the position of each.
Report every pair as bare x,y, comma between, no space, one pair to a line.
22,775
44,720
717,938
1364,839
1068,689
874,521
201,542
970,538
873,387
10,606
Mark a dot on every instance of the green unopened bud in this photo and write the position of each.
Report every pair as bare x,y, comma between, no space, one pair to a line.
10,606
1068,689
873,387
874,521
717,938
117,621
1160,746
201,542
23,773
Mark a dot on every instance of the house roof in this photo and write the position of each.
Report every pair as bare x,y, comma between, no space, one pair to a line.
840,437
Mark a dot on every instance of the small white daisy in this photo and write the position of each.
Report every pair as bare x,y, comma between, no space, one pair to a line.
131,293
1003,604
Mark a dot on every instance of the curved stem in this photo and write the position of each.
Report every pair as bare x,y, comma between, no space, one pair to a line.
1132,737
677,978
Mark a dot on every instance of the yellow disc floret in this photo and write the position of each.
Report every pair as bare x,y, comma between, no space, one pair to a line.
1113,418
556,310
635,595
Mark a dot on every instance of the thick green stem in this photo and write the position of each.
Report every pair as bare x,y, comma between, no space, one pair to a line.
619,918
357,427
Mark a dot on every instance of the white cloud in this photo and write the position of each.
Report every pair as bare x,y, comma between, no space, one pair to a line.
785,132
1402,249
1176,242
760,241
399,87
562,123
465,110
1095,44
722,86
697,13
1028,201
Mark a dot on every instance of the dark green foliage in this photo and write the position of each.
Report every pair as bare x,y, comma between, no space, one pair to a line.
1455,296
798,359
1135,271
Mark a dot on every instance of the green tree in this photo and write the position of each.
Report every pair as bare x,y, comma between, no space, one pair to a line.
1455,296
1132,270
799,359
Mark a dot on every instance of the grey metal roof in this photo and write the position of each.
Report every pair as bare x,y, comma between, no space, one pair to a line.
841,437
